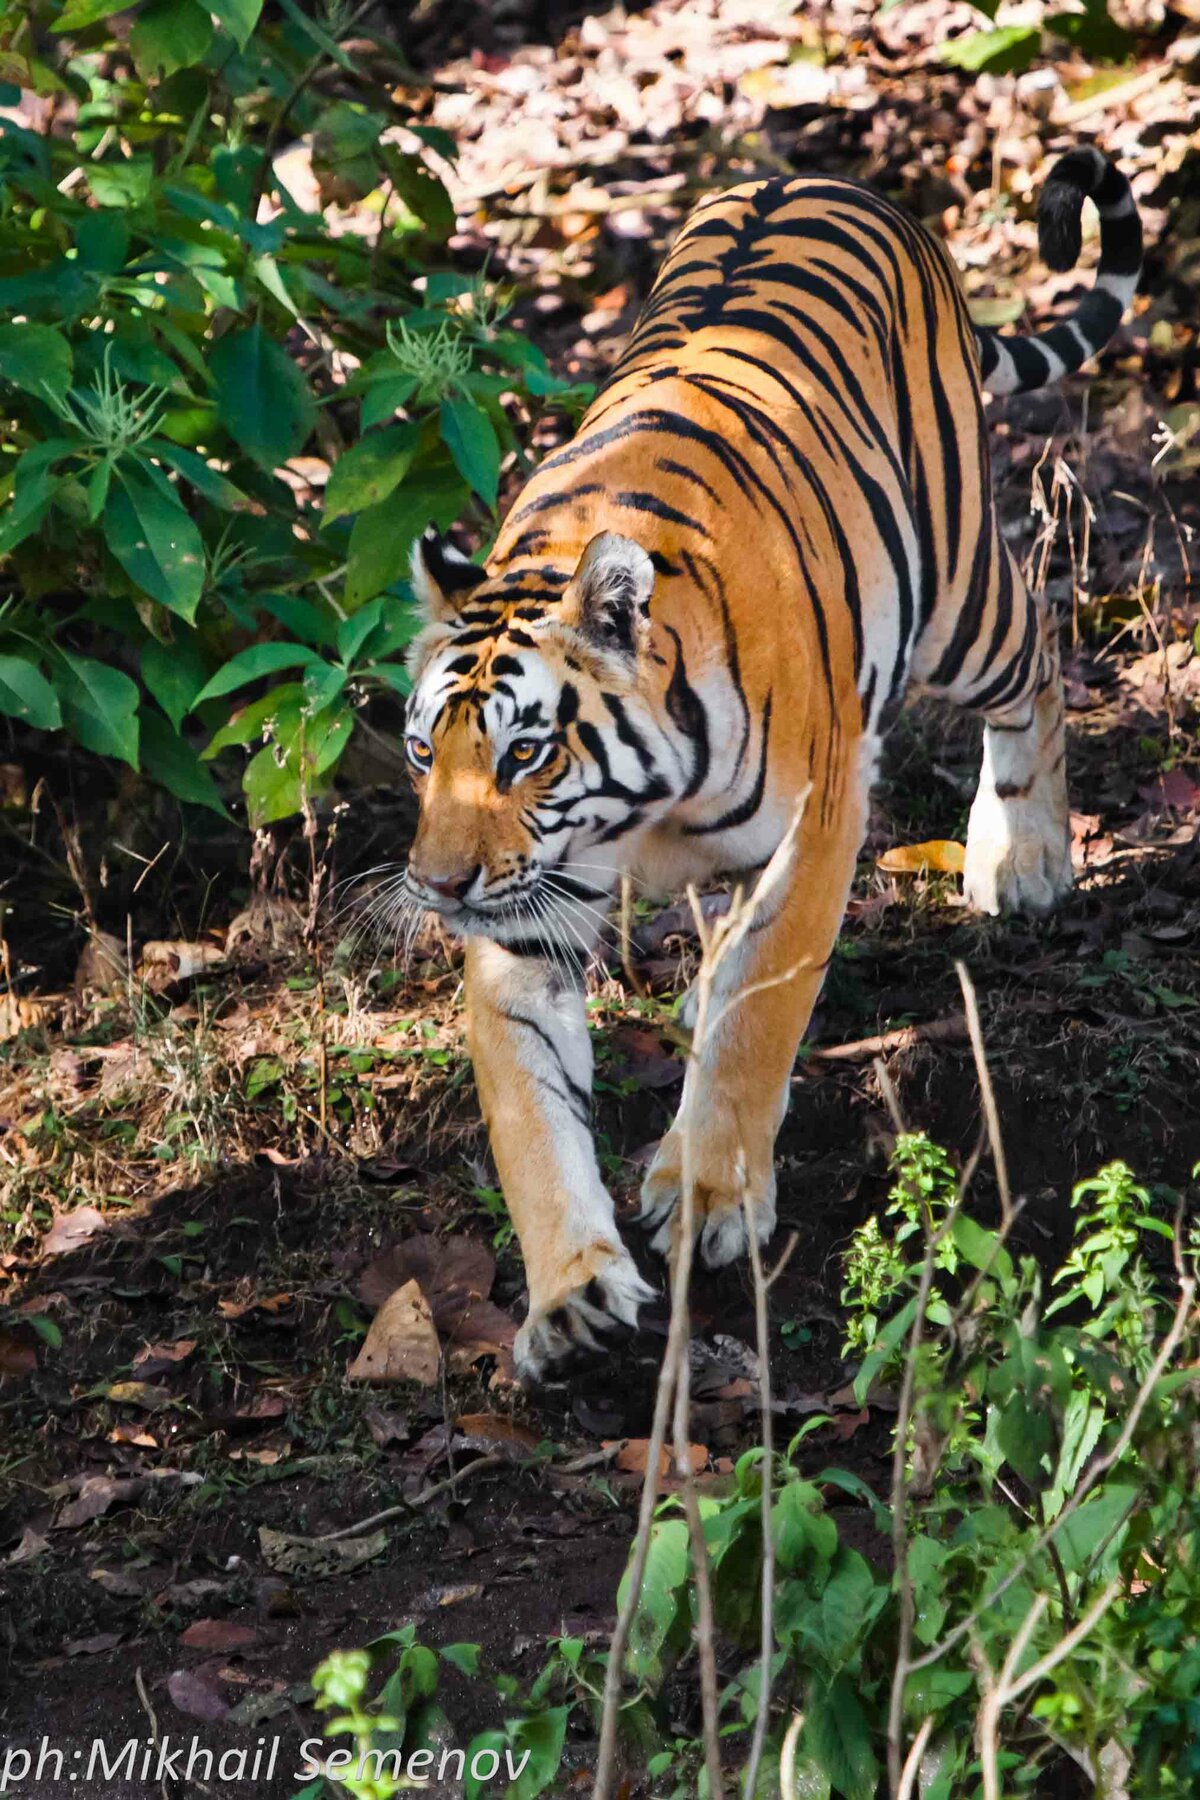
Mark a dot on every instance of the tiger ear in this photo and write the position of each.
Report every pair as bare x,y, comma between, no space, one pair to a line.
442,577
607,599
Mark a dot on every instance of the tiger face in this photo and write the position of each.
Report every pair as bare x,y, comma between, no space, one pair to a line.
530,740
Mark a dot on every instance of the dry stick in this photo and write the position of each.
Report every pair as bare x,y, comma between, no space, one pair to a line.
767,1601
705,1624
710,949
1095,1473
362,1526
949,1030
912,1761
895,1738
715,945
986,1092
787,1757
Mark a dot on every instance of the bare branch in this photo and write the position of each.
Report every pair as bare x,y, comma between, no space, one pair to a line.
987,1093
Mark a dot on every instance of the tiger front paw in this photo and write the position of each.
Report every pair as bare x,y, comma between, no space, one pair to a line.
722,1173
587,1318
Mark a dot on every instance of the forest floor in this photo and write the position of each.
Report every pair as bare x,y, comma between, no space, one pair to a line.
219,1155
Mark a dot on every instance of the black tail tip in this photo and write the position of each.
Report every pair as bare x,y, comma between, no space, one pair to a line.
1060,229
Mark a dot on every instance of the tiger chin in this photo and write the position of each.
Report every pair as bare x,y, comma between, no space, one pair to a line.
775,520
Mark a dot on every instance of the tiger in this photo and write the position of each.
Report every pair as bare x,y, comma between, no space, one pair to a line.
775,520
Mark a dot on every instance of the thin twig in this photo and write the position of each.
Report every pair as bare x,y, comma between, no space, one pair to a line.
787,1758
950,1030
895,1741
767,1601
986,1091
912,1762
717,943
362,1526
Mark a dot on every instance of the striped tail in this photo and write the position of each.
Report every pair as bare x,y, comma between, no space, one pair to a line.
1010,365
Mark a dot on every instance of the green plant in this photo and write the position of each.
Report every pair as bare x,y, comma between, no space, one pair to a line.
401,1736
171,346
1050,1477
1012,48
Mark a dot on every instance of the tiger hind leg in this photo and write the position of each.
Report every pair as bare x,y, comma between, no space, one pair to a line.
1019,836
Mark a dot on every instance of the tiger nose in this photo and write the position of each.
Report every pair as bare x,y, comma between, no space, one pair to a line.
452,887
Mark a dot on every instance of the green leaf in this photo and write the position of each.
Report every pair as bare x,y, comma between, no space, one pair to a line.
382,538
99,706
47,1330
884,1348
1005,50
850,1600
310,623
155,541
838,1737
249,722
421,191
663,1590
26,694
323,683
199,474
463,1657
102,240
541,1735
250,664
475,1788
127,181
981,1248
170,35
1095,1523
281,775
173,674
76,15
1094,31
368,472
170,760
239,17
471,440
262,398
36,358
353,632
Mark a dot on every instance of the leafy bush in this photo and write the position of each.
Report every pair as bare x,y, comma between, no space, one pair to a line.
1052,1488
171,345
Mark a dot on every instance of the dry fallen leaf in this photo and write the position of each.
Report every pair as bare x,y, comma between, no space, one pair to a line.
139,1393
164,963
402,1344
481,1330
93,1646
633,1457
940,856
96,1494
102,967
17,1357
289,1555
196,1694
32,1544
268,1303
157,1359
219,1634
446,1269
71,1230
496,1428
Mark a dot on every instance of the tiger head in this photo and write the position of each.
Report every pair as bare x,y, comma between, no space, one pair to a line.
531,737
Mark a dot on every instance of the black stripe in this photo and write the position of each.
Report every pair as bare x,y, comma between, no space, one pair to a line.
745,809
